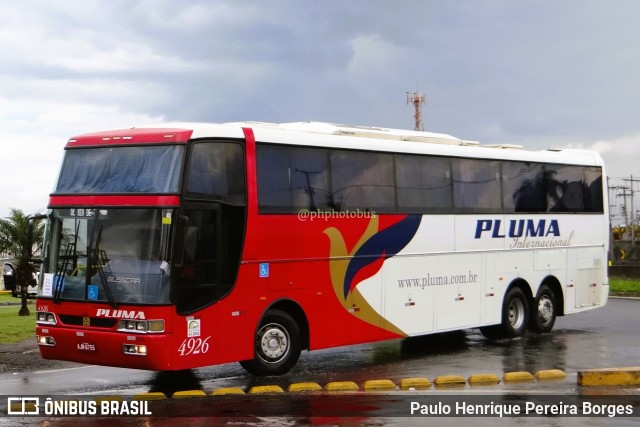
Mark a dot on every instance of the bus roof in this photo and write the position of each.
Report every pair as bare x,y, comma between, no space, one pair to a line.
320,134
407,141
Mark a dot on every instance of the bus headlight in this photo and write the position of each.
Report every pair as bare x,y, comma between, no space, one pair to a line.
141,326
45,318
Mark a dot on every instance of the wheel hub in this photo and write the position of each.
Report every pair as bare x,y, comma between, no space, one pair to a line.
274,342
545,310
516,314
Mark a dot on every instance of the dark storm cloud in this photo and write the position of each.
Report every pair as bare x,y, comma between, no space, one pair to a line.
537,72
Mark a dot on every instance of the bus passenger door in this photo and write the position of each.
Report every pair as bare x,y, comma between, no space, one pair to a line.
213,215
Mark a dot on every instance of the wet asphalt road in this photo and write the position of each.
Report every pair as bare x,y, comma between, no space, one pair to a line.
605,337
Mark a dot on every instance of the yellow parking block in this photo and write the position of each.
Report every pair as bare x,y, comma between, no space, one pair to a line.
449,379
261,389
378,385
610,377
550,375
342,386
415,384
519,376
298,387
226,390
483,379
185,394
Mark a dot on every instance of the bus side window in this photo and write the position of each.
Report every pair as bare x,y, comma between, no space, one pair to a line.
363,180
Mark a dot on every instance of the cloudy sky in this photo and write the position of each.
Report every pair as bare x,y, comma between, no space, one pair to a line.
540,73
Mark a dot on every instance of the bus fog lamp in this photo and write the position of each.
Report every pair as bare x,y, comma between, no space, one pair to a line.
136,350
48,341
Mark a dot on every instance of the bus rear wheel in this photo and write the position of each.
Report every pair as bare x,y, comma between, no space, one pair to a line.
544,310
277,345
515,314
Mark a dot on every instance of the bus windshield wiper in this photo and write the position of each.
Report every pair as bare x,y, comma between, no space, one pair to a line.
58,281
100,259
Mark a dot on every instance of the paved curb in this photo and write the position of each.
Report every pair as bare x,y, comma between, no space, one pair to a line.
18,301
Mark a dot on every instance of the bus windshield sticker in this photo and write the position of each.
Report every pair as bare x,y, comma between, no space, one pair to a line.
47,285
93,292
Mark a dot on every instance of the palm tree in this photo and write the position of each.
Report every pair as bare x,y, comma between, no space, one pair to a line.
19,242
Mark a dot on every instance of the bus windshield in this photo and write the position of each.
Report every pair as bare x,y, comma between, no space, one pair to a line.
144,169
119,256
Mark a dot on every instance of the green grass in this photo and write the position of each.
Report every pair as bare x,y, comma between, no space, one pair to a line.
624,284
14,328
6,297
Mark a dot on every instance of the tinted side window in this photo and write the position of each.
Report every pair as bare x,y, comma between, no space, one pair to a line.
216,172
423,183
294,178
523,187
290,179
574,188
362,180
476,185
593,201
565,192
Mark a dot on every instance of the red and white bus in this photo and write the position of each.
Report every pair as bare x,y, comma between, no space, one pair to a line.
182,246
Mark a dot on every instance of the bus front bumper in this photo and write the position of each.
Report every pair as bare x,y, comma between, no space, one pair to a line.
136,351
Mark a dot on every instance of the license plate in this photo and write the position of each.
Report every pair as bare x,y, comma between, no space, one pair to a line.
85,346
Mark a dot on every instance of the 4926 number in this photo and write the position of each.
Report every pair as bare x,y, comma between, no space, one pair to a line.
194,346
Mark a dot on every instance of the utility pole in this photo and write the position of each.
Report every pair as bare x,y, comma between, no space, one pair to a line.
417,99
624,203
633,212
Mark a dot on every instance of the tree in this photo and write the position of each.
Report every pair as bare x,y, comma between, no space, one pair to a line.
19,242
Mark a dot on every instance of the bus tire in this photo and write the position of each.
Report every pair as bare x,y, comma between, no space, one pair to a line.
543,316
277,345
515,313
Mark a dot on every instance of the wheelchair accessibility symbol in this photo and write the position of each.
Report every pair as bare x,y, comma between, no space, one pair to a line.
93,292
264,269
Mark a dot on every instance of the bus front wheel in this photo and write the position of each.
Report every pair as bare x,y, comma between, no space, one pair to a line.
277,345
515,313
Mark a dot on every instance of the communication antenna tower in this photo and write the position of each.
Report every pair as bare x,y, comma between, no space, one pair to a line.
417,99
